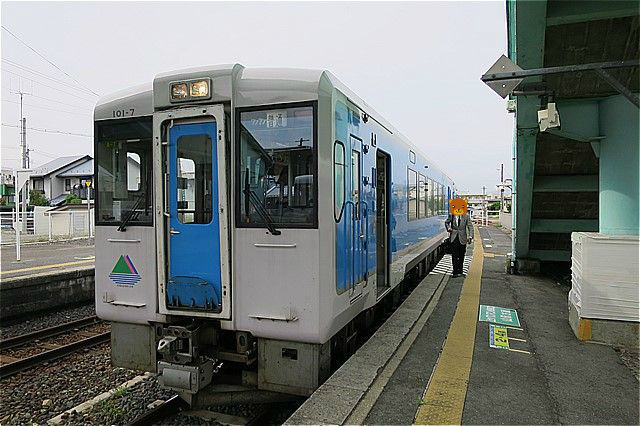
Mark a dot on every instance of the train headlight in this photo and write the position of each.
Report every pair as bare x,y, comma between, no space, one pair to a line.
199,88
179,91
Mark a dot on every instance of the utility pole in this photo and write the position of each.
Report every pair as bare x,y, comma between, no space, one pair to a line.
484,205
501,187
23,132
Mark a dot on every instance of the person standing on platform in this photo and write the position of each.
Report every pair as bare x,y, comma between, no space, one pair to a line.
460,229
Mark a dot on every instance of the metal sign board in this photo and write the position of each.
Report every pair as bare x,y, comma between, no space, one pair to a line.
502,87
499,315
498,338
21,177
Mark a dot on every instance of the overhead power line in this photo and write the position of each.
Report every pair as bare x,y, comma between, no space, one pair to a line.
61,132
43,57
84,108
47,108
42,75
36,150
50,87
44,154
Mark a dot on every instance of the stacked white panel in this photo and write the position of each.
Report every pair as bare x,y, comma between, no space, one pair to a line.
604,276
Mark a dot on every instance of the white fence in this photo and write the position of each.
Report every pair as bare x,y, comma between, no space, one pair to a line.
41,224
505,220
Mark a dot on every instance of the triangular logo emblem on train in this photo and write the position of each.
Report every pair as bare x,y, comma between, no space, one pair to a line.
124,273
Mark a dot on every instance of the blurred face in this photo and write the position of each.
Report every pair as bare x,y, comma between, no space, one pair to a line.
458,206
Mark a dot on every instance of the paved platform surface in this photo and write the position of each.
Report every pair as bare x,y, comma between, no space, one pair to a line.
46,257
547,376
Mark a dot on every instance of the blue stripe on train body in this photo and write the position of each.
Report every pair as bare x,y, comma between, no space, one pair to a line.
403,234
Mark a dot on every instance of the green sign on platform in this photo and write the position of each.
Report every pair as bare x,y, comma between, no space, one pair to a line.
498,315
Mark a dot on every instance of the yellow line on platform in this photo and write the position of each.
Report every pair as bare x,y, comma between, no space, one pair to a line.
444,397
39,268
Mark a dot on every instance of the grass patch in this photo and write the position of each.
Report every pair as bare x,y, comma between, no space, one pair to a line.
120,392
110,409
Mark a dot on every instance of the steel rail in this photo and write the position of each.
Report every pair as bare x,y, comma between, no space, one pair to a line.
259,417
12,368
45,333
168,408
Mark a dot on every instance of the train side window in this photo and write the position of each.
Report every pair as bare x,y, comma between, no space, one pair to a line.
422,197
412,194
338,179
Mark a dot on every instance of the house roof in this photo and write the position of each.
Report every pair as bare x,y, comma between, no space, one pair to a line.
82,169
56,201
67,207
57,164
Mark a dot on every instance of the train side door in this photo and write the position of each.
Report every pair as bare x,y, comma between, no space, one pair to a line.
195,273
357,220
383,177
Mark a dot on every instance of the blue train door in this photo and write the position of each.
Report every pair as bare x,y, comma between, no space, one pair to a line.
195,278
357,221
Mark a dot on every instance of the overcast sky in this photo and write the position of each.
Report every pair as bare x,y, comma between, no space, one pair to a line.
417,64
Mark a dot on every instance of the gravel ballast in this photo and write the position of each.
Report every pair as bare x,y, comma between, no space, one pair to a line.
41,393
124,406
46,320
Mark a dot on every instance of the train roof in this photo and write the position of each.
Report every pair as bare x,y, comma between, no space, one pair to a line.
245,86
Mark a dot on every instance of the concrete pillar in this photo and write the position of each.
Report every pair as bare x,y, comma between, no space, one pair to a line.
619,168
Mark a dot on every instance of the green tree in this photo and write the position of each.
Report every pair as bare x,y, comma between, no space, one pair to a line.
73,199
36,198
494,206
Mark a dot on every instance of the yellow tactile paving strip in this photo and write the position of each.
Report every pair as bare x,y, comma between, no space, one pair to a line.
443,400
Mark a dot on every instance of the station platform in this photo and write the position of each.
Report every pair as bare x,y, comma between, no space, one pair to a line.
433,362
46,258
49,276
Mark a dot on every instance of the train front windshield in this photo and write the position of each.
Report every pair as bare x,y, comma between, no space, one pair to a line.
124,174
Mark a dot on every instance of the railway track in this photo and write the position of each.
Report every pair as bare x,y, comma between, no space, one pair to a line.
46,333
175,405
12,365
167,409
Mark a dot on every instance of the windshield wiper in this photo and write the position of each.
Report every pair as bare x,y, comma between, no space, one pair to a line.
262,212
251,196
129,215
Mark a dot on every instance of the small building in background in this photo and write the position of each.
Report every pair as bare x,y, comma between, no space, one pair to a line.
58,178
7,188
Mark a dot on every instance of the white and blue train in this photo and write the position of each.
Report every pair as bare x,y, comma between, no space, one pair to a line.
255,217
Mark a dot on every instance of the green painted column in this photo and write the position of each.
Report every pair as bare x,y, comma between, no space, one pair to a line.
619,168
524,170
527,25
